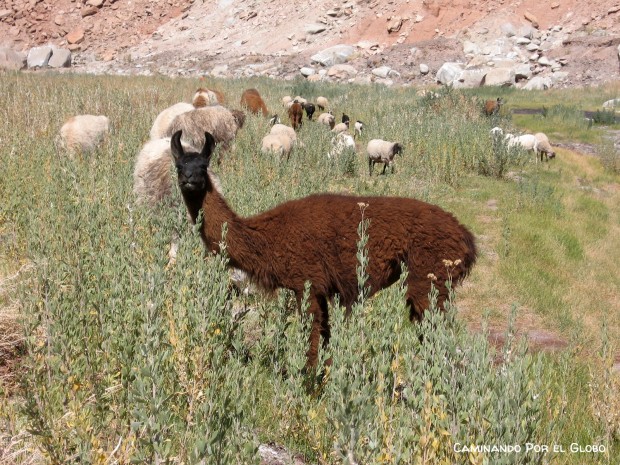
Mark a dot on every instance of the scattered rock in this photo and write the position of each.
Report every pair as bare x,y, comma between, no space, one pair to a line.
448,72
508,29
544,61
316,28
555,5
307,71
5,13
504,77
38,57
61,58
424,70
95,3
220,71
531,18
382,71
538,83
470,78
89,11
333,55
76,36
523,72
11,60
470,48
341,71
395,24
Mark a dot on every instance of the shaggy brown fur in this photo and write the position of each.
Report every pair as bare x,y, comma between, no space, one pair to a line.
252,100
491,107
215,119
205,97
315,239
296,115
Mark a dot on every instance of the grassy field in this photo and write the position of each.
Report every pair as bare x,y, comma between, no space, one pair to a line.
112,355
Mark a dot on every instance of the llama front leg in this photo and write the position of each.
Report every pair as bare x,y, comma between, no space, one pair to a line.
320,327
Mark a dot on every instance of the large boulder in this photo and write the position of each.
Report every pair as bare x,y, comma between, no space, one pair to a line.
504,77
61,58
11,60
470,78
342,72
333,55
38,57
538,83
448,72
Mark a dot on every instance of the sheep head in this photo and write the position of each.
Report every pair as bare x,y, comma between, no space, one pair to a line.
397,149
192,166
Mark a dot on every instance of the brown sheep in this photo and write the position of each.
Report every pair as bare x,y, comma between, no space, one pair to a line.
296,115
252,100
491,107
314,239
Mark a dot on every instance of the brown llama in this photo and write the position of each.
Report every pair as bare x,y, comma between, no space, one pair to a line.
315,239
296,115
252,100
491,107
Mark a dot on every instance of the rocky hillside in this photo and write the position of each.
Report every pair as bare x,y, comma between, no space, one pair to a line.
503,42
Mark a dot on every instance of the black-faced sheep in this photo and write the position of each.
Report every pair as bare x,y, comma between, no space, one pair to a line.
83,132
309,107
216,119
381,151
345,118
163,120
314,239
252,100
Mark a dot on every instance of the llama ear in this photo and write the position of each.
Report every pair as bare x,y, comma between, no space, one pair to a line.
209,146
175,146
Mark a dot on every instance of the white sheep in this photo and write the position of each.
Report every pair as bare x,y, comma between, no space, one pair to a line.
216,119
163,120
322,103
286,130
359,126
280,144
527,142
496,131
381,151
544,146
341,143
301,100
341,127
327,119
286,100
152,179
83,132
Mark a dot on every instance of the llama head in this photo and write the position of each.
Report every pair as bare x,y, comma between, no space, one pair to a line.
192,166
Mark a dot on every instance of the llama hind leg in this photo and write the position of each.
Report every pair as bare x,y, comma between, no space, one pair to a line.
320,327
417,298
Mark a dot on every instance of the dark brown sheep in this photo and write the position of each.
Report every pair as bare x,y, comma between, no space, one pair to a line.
491,107
315,239
296,115
252,100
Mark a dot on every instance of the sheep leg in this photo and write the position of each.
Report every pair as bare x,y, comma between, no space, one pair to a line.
385,165
371,164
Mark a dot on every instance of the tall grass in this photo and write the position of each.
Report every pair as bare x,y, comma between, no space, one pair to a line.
130,358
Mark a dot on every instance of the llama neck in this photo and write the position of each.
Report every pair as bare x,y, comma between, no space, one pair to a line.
245,246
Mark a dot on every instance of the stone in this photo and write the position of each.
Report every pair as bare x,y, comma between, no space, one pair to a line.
395,24
504,77
523,40
76,36
341,71
508,29
382,71
220,71
333,55
522,72
61,58
315,78
307,71
559,76
5,13
555,5
448,72
544,61
470,48
538,83
91,10
59,20
38,57
95,3
469,78
424,68
531,18
315,28
11,60
531,47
